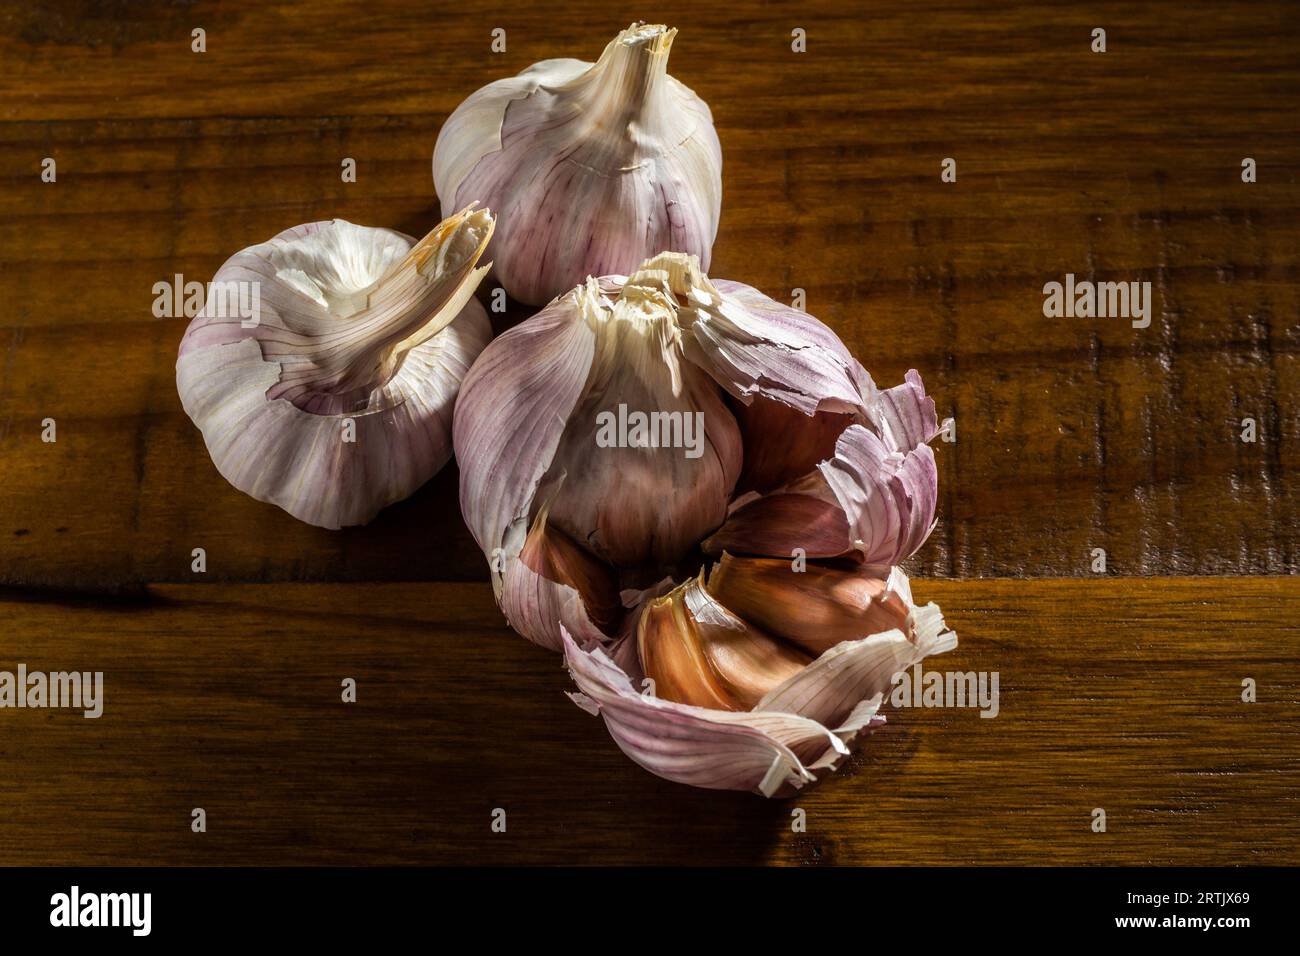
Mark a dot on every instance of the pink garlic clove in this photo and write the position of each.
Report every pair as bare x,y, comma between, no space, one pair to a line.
815,608
698,652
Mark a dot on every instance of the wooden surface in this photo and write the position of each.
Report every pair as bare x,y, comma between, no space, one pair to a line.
1122,694
1119,691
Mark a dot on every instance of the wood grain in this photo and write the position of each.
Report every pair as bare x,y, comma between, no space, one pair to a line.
1123,694
1119,691
1072,433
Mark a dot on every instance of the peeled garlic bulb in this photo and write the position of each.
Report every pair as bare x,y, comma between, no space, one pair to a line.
591,167
641,426
335,398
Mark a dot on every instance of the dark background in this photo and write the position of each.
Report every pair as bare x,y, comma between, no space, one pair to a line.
1119,690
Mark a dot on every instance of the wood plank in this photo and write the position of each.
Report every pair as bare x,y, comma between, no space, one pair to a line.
1115,693
1073,434
964,61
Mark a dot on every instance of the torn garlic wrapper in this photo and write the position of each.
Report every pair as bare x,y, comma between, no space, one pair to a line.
335,399
591,167
699,496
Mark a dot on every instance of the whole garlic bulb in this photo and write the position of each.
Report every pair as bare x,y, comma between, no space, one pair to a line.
335,399
591,168
616,443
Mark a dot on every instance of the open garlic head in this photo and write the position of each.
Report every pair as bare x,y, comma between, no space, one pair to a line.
590,167
699,496
332,395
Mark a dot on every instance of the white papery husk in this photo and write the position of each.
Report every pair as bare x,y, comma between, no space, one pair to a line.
256,392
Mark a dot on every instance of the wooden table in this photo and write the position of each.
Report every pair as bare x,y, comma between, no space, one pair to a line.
1119,691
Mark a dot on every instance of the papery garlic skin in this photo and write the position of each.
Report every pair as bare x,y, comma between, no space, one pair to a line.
527,427
592,168
667,501
797,733
337,400
757,673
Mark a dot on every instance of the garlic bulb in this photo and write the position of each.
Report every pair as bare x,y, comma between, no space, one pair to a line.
591,168
335,398
637,429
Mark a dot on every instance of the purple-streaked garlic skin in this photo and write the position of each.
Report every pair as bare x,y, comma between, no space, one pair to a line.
798,732
871,501
337,400
789,665
592,168
666,502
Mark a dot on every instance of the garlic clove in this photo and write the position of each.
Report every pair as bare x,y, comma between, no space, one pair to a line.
697,652
593,167
782,524
702,747
510,416
845,687
872,500
782,443
538,607
830,687
651,453
552,555
672,655
816,608
796,734
509,420
336,399
565,420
